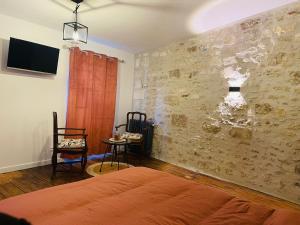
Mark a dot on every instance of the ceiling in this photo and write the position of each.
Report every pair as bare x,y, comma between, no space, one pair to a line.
138,25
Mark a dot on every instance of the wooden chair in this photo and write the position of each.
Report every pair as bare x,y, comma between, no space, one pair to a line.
135,124
68,143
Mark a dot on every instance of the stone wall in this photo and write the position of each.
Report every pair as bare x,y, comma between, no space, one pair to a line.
250,138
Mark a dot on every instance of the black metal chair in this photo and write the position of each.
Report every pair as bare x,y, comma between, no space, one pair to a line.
135,124
68,143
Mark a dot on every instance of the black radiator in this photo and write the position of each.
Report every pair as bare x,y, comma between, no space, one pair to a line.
145,128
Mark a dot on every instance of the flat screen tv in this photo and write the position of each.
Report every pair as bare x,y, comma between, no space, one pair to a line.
25,55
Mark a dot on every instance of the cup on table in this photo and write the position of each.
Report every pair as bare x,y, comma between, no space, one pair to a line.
117,137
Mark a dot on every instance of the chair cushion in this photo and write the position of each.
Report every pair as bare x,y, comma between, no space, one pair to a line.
71,143
132,136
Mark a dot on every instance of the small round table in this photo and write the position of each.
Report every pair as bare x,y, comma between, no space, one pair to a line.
116,147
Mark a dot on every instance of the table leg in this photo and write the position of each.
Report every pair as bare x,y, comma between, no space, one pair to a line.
118,158
114,155
106,150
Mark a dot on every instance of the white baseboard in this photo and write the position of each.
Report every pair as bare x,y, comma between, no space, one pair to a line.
25,166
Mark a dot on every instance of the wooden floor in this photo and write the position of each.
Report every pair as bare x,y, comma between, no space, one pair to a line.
19,182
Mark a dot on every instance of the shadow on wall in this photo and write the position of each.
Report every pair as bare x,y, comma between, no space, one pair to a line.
4,46
160,6
42,142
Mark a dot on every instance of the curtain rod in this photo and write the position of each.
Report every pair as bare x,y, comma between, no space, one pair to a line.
95,53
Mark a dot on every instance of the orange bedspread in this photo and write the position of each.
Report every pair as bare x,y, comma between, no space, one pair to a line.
140,196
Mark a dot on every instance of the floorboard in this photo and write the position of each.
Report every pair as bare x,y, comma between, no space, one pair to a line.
24,181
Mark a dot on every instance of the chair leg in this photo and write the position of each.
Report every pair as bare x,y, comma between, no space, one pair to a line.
125,155
142,152
83,162
54,164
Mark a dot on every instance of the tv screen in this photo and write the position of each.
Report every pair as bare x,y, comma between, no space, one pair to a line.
27,55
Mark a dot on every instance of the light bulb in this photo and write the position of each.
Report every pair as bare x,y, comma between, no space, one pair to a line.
75,36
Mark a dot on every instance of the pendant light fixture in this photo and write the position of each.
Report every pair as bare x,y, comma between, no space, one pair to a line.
73,31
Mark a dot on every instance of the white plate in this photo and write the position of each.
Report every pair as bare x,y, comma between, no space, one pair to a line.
120,140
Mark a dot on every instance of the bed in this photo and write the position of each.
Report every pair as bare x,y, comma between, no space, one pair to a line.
140,196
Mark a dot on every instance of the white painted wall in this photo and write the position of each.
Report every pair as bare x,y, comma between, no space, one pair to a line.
27,101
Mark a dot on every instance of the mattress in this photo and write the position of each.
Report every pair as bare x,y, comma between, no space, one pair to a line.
141,196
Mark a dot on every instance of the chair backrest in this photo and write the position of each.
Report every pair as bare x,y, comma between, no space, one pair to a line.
55,130
135,122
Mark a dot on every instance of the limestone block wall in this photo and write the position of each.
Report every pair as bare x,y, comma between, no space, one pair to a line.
251,138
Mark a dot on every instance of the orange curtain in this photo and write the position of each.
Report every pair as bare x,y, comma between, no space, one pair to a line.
92,96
